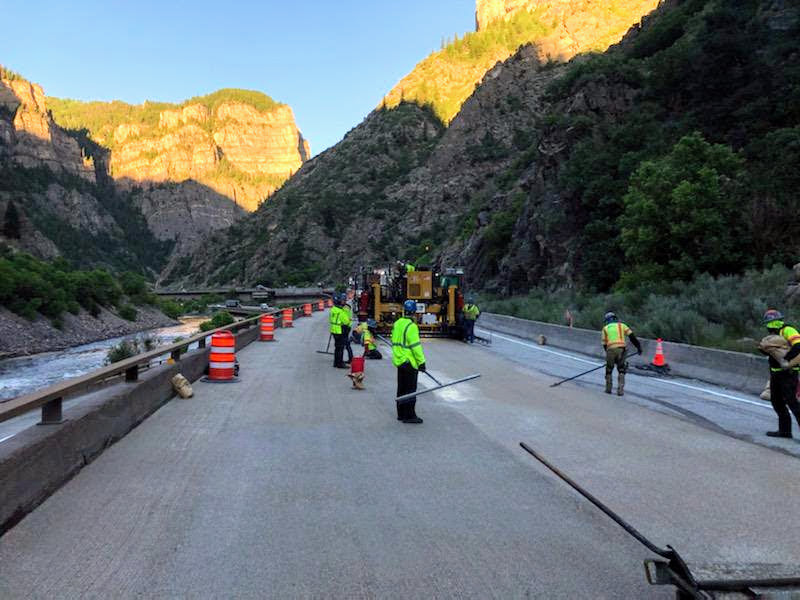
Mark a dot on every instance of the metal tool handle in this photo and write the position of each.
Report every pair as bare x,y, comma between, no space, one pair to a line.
407,397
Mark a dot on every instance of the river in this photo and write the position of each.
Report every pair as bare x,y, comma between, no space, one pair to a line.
26,374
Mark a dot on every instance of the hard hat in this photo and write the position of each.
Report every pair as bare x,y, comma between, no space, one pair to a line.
372,323
410,306
773,318
609,317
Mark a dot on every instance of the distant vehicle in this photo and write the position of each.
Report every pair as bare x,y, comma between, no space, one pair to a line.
232,304
263,306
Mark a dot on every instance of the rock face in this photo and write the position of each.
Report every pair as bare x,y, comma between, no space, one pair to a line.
560,29
31,139
235,148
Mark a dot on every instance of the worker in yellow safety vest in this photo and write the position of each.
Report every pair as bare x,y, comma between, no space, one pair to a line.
615,334
337,319
471,313
408,357
370,348
783,380
346,319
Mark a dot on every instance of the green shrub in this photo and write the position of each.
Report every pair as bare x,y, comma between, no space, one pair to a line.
127,312
720,312
125,349
171,308
132,347
220,319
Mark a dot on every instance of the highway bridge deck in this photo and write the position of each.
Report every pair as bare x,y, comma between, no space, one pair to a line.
290,484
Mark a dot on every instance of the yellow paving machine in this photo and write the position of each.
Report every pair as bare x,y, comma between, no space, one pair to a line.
439,298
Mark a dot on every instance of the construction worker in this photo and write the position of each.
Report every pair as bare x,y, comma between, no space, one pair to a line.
346,319
336,317
370,349
409,359
783,381
471,313
615,334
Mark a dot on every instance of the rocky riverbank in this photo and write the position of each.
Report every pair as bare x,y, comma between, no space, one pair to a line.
20,337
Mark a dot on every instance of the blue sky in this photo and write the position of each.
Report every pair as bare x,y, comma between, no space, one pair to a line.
331,61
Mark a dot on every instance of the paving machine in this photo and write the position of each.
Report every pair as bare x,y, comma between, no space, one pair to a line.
438,295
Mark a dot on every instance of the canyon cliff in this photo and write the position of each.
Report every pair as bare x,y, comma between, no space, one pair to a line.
136,186
559,29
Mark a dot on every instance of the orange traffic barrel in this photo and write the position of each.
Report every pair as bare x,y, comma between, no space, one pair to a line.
321,305
222,360
307,310
267,328
329,302
288,317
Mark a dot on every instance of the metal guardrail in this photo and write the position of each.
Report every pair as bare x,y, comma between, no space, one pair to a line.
50,399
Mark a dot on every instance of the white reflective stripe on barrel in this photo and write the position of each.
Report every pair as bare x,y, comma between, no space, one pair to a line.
223,350
221,365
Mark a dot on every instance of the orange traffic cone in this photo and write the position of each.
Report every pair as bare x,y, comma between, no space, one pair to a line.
659,362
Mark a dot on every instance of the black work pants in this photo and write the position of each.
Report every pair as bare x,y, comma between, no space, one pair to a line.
783,394
338,349
373,354
346,334
406,384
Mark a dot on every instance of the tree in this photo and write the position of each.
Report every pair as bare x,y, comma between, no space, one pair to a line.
11,223
683,215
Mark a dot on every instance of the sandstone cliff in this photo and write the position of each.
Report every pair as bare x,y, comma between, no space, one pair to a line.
560,29
28,136
241,144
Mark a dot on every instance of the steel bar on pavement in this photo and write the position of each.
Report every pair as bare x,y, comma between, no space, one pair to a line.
406,397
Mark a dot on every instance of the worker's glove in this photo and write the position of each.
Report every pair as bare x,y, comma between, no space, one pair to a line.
422,367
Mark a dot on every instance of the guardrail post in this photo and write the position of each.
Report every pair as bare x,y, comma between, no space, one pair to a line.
51,413
132,374
175,355
201,342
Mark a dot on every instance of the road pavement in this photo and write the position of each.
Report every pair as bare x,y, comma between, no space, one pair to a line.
289,484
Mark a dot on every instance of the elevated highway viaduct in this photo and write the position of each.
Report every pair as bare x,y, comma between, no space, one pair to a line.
290,484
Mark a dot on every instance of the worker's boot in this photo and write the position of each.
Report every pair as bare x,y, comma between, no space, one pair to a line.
621,385
609,382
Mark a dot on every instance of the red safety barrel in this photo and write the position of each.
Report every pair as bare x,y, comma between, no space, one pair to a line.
307,310
222,360
357,364
288,317
321,305
267,328
329,302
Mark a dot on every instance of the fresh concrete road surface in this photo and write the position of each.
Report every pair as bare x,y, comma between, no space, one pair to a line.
288,484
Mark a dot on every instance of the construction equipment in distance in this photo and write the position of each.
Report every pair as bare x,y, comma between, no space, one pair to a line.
439,298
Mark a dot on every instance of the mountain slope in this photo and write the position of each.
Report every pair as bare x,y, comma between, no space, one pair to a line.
561,29
546,169
342,194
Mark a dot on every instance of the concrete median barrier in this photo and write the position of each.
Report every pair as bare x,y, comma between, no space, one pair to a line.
733,370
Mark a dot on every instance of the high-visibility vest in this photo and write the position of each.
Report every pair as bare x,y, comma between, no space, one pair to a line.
410,268
471,312
406,346
791,335
346,317
614,335
335,320
369,340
